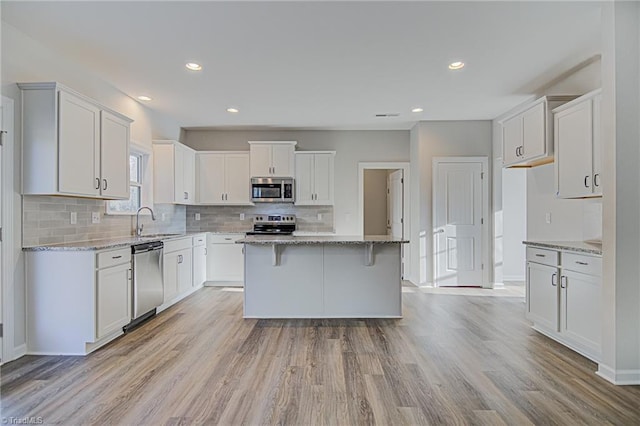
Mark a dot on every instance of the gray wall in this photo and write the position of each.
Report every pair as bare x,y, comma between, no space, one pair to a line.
375,201
439,139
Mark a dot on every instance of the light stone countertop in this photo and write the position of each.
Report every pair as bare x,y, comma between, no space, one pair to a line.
109,243
336,239
575,246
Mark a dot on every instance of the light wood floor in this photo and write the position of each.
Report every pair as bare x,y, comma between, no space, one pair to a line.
453,359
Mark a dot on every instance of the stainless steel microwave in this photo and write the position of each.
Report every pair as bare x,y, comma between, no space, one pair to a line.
272,190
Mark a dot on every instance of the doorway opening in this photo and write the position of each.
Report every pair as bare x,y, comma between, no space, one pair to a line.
384,204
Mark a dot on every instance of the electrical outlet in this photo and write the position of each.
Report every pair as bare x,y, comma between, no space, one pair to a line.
197,216
95,217
547,217
74,218
319,216
241,216
163,217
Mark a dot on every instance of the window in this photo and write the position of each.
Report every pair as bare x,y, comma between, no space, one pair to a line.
138,186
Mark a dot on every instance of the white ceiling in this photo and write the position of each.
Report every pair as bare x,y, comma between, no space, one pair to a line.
319,64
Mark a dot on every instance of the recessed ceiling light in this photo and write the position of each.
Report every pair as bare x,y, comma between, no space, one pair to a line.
144,98
417,110
456,65
233,110
193,66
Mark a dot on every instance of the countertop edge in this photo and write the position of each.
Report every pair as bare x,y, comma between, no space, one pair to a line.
574,246
106,244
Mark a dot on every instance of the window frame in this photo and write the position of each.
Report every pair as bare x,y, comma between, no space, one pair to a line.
145,174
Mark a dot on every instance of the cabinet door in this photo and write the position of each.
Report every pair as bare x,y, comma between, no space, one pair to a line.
542,295
78,146
211,178
180,195
534,127
114,156
511,140
597,147
225,262
304,179
113,299
199,265
185,269
282,161
237,180
323,179
170,276
260,160
572,130
189,175
580,311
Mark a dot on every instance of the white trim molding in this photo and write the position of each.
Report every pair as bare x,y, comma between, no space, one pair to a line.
619,377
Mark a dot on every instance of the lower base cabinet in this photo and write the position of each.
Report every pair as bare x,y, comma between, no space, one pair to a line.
564,298
225,260
76,301
177,267
199,260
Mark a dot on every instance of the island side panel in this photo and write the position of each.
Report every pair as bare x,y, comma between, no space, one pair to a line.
353,290
291,289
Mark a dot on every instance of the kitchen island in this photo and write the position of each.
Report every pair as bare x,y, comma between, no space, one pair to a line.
322,277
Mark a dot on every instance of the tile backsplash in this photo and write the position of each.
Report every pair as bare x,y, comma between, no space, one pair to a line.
227,218
47,220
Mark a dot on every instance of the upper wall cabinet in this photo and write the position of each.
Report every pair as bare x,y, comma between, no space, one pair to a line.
223,178
272,158
314,178
72,145
578,147
527,135
174,173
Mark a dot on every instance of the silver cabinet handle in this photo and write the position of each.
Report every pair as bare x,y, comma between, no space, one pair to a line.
180,258
596,180
97,183
186,195
540,255
222,197
586,181
581,263
563,281
116,257
554,280
228,239
439,231
106,184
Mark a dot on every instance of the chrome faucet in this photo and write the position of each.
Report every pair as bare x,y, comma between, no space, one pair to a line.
139,227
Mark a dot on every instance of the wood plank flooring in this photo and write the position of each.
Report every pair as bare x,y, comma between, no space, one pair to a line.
452,359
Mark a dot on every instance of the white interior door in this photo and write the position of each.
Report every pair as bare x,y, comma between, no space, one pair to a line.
457,225
2,133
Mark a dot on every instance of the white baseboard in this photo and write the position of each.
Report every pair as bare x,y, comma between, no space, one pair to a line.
19,351
619,377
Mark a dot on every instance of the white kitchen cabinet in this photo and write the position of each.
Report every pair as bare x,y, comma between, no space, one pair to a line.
272,158
199,260
223,178
177,268
72,145
173,173
527,134
113,296
564,298
578,147
225,260
314,178
76,301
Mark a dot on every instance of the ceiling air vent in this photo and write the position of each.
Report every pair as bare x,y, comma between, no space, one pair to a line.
388,114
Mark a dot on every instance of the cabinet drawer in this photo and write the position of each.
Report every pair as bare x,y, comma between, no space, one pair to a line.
199,240
591,265
543,256
109,258
224,238
177,244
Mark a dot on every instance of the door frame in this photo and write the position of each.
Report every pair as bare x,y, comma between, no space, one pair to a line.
406,205
485,243
8,242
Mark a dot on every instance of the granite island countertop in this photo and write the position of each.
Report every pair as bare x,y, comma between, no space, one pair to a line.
334,239
575,246
108,243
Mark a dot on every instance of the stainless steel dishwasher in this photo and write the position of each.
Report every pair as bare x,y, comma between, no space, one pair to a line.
148,287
